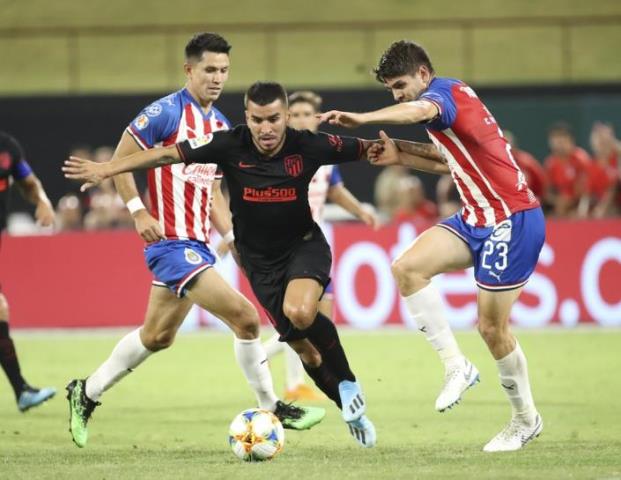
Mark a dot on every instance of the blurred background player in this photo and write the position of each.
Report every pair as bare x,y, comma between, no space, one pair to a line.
532,169
326,184
178,251
14,168
567,171
500,230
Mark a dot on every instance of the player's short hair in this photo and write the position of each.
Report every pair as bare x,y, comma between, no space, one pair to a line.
306,96
401,58
206,42
561,128
264,93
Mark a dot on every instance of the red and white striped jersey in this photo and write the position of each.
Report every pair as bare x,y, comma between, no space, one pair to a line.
180,195
489,181
327,176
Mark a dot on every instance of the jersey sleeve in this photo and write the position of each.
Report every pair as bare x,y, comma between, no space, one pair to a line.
211,148
154,124
334,149
20,169
19,166
443,99
335,176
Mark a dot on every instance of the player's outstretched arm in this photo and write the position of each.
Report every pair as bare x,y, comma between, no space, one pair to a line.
401,114
408,154
93,173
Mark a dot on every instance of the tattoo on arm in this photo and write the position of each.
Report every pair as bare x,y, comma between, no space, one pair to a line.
425,150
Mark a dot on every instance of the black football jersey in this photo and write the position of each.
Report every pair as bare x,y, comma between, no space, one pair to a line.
269,195
12,167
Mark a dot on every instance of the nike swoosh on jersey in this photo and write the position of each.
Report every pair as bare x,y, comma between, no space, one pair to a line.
245,165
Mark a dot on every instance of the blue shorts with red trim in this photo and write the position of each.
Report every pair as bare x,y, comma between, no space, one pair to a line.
504,256
174,263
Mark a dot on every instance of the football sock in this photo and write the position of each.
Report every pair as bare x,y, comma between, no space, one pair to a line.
126,355
513,372
294,370
9,361
426,309
325,381
252,359
273,346
324,336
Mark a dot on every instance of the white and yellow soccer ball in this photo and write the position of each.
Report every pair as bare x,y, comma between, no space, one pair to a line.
256,435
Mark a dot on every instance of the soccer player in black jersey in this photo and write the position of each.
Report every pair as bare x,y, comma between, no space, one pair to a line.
13,167
283,252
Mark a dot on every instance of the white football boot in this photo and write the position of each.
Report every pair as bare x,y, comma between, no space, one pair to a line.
515,435
457,380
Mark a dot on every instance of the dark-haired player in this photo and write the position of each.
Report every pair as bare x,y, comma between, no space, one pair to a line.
326,184
178,251
500,229
14,168
283,251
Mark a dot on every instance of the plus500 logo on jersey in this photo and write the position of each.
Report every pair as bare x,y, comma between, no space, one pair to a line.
270,195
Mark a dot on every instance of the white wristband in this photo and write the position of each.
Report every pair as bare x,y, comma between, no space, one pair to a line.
229,237
134,205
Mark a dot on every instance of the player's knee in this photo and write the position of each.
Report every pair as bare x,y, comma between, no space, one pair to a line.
301,315
247,323
4,309
491,331
406,270
158,340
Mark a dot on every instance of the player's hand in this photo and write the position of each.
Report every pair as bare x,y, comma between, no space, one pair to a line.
369,217
148,227
78,168
385,153
44,214
342,119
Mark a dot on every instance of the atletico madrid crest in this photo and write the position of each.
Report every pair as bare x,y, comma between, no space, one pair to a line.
294,165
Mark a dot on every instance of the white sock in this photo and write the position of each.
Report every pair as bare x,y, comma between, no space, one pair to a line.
252,359
127,355
294,369
513,372
426,309
273,346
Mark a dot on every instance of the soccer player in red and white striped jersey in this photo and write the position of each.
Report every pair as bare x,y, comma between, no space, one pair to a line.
500,230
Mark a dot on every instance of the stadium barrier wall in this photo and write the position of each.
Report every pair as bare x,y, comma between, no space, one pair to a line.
100,279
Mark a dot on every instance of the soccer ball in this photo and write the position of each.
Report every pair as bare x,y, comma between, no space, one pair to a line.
256,435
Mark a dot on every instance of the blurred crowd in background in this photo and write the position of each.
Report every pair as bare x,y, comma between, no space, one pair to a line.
571,182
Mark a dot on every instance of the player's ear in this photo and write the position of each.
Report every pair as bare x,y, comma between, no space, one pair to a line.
187,68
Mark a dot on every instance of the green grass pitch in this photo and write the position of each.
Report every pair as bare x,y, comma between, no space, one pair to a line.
169,419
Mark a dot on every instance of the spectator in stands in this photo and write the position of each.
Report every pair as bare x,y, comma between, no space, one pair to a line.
447,197
386,190
603,171
69,213
566,170
107,210
412,202
532,169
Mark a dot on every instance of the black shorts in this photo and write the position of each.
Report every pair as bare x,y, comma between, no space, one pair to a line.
269,276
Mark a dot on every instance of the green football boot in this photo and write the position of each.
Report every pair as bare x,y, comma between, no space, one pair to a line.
298,418
80,410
